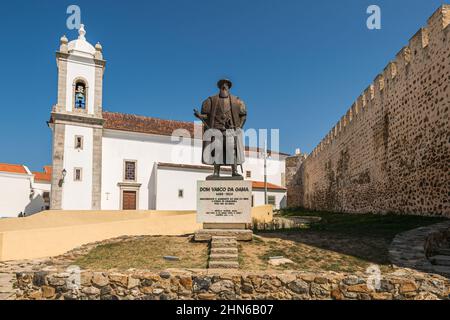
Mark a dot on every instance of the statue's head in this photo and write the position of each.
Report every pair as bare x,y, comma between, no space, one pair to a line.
224,85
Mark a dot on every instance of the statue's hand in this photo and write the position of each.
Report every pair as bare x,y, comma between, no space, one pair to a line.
199,115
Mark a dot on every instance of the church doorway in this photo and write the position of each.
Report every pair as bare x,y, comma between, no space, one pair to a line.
129,200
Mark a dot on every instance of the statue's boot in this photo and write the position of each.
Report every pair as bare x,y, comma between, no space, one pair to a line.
216,173
234,171
216,170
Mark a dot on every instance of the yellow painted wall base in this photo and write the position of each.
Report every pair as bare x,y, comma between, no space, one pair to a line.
53,233
262,214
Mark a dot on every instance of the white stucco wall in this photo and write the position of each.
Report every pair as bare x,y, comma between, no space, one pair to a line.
77,195
15,192
169,181
85,68
37,204
159,189
275,169
280,198
146,150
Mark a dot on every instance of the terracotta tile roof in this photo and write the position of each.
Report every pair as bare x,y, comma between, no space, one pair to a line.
13,168
149,125
141,124
270,186
45,176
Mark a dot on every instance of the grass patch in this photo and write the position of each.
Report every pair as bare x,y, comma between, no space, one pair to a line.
146,253
383,225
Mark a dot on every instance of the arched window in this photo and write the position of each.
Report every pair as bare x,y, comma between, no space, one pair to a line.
80,95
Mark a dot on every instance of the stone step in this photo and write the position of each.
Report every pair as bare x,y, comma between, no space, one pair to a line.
223,239
440,260
442,270
238,234
223,257
215,245
224,251
223,265
443,252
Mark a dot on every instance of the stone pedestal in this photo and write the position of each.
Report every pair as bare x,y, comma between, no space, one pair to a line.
224,208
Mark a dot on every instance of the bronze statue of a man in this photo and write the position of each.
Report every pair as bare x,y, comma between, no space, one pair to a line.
223,116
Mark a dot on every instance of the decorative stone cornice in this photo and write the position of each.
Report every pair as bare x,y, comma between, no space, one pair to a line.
63,117
97,62
129,185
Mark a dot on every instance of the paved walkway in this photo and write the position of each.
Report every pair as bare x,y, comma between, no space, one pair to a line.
8,272
441,260
6,288
411,249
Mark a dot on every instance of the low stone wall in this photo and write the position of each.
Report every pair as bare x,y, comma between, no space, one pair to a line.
283,223
411,249
207,285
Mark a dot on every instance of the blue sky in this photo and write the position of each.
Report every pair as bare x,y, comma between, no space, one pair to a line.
298,65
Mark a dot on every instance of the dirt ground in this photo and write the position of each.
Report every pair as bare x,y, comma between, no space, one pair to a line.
146,253
307,255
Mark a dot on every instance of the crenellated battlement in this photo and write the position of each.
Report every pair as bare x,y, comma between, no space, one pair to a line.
417,50
441,18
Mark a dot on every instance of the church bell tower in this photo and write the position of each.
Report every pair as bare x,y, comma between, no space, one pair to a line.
77,126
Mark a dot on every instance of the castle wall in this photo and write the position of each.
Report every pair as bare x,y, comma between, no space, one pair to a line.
391,151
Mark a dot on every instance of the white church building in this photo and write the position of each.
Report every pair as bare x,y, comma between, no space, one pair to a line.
115,161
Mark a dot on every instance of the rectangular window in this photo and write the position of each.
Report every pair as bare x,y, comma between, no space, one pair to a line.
79,142
248,174
130,170
78,174
271,200
180,193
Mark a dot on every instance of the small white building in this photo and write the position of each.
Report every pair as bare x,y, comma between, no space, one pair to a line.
115,161
23,193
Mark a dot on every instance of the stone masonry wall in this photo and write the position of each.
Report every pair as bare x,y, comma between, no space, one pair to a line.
141,285
293,181
391,151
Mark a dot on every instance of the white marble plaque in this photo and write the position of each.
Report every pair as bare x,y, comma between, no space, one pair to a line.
224,201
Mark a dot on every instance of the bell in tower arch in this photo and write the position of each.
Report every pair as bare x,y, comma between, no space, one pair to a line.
80,95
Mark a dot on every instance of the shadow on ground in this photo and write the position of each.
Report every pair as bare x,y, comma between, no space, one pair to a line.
364,236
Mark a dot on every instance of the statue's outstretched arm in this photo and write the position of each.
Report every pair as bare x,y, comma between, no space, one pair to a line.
199,115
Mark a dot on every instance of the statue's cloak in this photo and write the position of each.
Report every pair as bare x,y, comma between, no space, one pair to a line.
211,153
